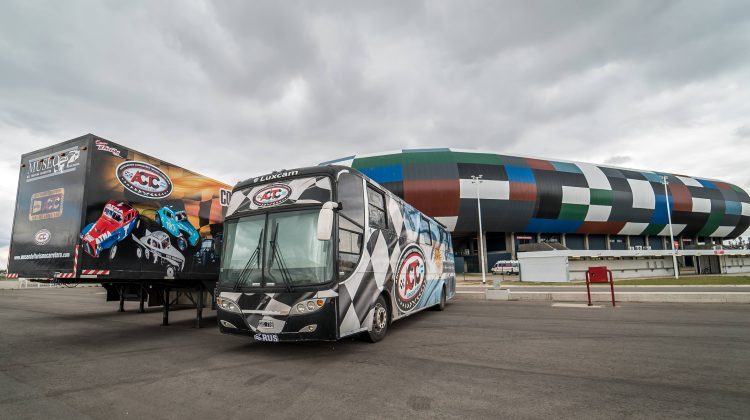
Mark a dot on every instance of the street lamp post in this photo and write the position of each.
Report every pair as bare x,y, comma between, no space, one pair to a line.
671,232
476,180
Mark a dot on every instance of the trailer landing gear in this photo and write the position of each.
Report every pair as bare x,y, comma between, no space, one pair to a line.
167,295
165,313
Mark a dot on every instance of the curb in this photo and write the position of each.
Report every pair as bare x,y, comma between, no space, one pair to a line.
15,285
645,297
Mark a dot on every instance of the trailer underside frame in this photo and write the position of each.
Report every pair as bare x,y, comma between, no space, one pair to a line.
160,293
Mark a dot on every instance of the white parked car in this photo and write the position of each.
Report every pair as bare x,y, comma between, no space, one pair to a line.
506,267
155,246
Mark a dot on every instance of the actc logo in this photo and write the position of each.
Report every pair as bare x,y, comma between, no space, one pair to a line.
144,179
272,195
42,237
411,278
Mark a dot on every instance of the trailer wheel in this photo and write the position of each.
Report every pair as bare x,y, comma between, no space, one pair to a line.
380,320
112,252
139,253
170,271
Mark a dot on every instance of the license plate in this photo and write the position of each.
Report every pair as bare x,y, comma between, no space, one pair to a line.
273,338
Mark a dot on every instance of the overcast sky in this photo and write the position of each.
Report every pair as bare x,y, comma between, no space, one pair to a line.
234,89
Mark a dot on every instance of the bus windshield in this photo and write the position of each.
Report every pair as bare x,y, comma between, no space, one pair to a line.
275,250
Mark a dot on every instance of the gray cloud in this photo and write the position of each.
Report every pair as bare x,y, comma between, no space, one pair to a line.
617,160
232,88
743,131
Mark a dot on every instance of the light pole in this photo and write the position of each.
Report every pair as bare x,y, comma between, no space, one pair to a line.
671,232
476,180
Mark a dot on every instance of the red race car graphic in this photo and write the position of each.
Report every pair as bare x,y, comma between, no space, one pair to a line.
117,221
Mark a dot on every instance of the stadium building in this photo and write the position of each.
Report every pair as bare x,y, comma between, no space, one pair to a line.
531,204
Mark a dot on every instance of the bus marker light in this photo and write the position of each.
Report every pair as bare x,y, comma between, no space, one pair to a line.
307,306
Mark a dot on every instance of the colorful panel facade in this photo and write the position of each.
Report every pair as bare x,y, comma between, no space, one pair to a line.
534,195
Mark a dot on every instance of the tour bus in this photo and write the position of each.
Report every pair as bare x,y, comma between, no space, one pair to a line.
324,252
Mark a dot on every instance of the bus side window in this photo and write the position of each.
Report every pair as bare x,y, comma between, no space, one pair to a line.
350,246
435,233
376,206
351,194
352,198
424,231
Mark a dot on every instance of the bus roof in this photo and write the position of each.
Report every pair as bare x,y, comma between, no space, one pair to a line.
330,170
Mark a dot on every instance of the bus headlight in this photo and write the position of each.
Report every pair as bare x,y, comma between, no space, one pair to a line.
227,305
307,306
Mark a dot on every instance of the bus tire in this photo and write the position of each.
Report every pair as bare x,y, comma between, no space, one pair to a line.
380,320
441,305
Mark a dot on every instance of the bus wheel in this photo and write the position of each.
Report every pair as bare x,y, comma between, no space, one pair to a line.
441,306
380,319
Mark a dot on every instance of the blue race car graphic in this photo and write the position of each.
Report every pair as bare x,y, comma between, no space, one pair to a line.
117,221
176,223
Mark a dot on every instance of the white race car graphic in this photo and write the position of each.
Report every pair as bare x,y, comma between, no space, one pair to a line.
155,246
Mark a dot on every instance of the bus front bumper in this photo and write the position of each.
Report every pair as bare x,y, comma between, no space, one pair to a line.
318,326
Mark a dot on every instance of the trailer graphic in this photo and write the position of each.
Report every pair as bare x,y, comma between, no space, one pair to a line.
156,247
323,253
176,223
116,223
109,199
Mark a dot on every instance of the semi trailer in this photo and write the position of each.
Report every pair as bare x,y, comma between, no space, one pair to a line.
91,210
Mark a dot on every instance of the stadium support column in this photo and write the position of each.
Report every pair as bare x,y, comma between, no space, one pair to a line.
671,232
510,244
476,180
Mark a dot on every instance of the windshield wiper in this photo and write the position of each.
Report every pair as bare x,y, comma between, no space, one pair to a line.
248,269
276,256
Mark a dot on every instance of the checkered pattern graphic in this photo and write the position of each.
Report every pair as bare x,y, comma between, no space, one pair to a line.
379,264
311,190
257,307
520,194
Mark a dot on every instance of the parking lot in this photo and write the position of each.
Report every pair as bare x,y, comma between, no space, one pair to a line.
65,353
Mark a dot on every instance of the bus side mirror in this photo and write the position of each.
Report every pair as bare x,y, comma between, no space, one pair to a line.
325,221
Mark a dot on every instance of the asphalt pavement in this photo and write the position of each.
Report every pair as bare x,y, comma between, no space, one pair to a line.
65,353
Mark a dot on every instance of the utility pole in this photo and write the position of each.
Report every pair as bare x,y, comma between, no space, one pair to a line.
476,180
671,232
